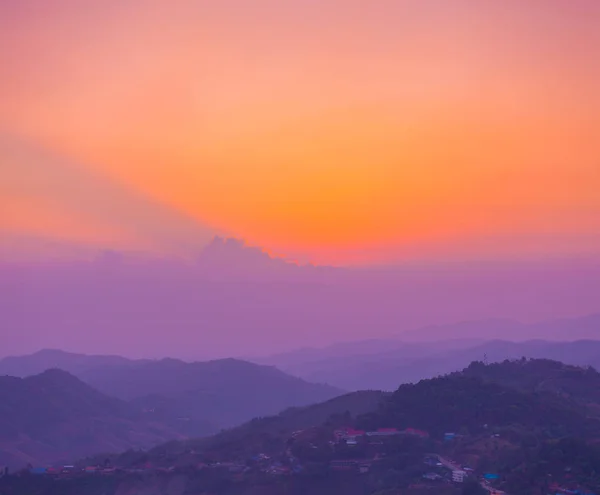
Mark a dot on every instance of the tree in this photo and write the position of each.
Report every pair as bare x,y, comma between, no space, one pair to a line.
472,487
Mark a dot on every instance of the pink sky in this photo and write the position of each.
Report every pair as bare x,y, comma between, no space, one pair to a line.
341,131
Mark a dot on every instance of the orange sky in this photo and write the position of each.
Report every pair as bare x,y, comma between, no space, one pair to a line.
317,128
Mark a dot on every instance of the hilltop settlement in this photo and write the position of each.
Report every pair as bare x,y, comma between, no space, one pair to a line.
480,431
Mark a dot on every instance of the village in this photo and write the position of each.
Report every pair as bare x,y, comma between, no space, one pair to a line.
437,469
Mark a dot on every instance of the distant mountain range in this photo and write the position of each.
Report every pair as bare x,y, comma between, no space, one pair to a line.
225,392
76,364
88,404
187,399
384,364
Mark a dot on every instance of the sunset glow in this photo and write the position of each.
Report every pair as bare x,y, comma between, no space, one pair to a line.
340,131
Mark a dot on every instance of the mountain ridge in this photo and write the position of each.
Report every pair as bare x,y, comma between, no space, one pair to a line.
210,395
53,416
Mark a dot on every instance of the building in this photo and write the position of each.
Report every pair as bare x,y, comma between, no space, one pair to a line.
384,432
415,432
350,435
458,476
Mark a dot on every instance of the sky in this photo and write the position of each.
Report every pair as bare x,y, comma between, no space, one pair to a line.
340,131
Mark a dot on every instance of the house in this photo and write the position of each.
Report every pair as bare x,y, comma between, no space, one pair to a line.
383,432
339,434
458,476
68,470
38,471
432,476
348,432
415,432
351,436
351,432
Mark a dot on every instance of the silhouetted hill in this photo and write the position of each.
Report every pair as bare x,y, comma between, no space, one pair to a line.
269,433
542,376
53,416
285,423
465,403
77,364
195,398
533,432
535,395
225,392
475,402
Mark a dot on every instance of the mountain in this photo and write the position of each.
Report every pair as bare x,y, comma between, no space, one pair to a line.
580,385
385,363
195,398
344,351
53,416
505,424
542,398
372,364
538,435
277,429
225,392
76,364
534,396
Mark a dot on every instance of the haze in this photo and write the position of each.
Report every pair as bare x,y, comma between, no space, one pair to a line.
436,161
